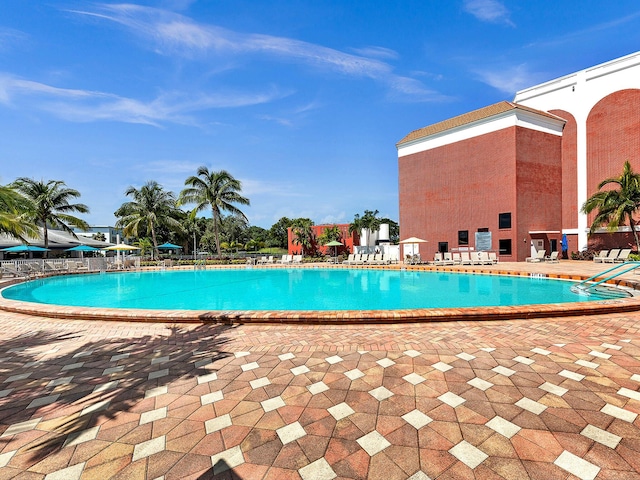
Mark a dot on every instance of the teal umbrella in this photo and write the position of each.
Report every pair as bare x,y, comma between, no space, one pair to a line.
82,248
168,246
24,249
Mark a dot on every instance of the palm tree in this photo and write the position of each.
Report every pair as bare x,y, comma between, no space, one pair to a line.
368,223
617,205
216,190
152,206
303,233
50,205
14,214
330,234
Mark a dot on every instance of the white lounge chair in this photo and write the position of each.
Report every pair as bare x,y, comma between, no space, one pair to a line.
475,258
493,257
465,259
553,258
457,259
623,256
613,254
350,259
539,256
296,259
601,256
484,258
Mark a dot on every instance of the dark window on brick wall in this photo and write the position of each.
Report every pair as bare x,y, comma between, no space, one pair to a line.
504,246
463,237
504,220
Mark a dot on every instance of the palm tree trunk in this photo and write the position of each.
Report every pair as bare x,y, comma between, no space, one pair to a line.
216,233
46,239
154,252
635,233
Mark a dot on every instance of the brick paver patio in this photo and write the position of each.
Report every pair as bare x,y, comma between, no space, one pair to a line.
541,399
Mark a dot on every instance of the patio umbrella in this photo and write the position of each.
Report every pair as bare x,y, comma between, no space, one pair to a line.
412,241
82,249
168,246
122,247
24,249
336,244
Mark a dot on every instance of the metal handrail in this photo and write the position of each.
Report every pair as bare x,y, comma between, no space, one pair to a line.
633,266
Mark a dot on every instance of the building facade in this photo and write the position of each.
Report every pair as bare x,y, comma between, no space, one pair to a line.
349,240
511,177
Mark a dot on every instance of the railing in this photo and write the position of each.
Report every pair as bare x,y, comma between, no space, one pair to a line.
586,287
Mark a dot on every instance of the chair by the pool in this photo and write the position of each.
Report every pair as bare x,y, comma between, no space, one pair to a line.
613,254
475,258
261,261
13,271
284,259
553,258
384,259
623,256
349,259
539,256
484,258
457,260
296,259
270,259
493,257
437,258
447,259
601,256
465,259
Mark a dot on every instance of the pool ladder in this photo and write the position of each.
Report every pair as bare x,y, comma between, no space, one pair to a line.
586,288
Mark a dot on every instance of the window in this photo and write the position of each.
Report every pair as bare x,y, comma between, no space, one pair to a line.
463,237
504,246
443,247
504,220
483,229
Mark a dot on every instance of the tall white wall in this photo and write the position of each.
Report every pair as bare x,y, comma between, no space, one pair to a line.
577,94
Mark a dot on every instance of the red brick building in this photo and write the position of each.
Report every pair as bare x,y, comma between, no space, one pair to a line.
512,177
348,239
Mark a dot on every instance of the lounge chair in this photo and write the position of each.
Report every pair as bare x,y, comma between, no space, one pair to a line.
465,259
475,258
613,254
493,257
437,258
13,271
261,261
384,259
484,258
539,256
601,256
270,260
553,258
445,259
296,259
350,259
623,256
457,259
284,259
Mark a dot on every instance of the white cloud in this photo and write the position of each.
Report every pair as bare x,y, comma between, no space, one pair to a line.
491,11
87,106
10,37
510,79
171,33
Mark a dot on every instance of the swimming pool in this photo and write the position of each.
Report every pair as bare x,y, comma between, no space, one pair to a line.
299,289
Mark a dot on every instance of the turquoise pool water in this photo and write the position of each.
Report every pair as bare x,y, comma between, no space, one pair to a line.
292,289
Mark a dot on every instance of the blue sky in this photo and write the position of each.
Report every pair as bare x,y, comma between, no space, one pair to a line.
303,101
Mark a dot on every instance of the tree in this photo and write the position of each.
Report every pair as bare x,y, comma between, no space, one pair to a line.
616,205
368,224
330,234
216,190
278,233
303,234
14,214
50,207
151,206
145,244
101,237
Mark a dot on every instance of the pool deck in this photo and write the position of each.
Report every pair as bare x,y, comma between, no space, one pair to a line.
522,398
